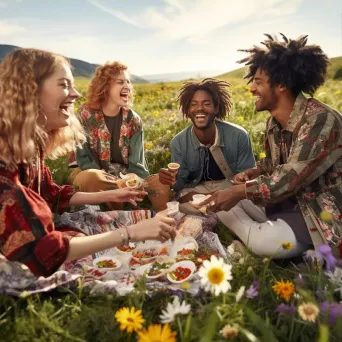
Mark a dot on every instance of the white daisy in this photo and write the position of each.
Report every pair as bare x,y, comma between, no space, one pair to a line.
336,279
215,274
173,309
240,293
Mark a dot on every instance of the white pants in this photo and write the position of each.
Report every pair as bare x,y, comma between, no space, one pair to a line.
261,236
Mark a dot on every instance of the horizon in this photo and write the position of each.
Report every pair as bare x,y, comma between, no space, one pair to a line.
155,37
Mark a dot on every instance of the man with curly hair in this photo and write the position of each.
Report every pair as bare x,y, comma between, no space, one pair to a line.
210,151
298,184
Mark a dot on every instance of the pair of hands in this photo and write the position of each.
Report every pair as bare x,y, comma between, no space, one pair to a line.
125,195
227,199
161,228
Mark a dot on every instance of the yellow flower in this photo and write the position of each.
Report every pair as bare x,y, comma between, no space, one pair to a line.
308,312
240,119
284,289
326,216
229,332
287,245
250,269
265,260
185,286
262,155
129,319
157,333
148,145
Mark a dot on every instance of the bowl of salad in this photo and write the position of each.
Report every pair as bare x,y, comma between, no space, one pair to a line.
181,271
184,248
106,263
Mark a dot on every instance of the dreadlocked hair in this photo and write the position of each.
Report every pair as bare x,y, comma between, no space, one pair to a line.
218,90
291,63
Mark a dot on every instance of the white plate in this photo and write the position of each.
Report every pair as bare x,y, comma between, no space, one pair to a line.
104,257
184,263
187,242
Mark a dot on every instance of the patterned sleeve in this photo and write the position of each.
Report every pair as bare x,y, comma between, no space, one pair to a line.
27,233
317,147
57,197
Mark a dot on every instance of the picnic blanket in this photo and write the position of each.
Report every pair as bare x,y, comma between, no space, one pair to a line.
17,280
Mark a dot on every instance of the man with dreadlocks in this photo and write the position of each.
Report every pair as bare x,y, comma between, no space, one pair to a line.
210,151
299,181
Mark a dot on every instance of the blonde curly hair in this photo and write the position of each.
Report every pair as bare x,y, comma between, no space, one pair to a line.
97,94
21,74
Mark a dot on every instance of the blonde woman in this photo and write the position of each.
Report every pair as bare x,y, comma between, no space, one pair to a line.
115,137
37,96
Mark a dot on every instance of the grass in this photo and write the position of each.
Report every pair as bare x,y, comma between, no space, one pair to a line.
74,315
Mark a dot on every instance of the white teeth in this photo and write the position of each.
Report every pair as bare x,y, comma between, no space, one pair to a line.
200,116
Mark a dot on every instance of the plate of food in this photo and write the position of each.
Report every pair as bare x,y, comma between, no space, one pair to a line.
184,248
106,263
181,271
157,268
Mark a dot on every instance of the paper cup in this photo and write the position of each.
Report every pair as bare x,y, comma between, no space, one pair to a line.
172,207
173,167
198,198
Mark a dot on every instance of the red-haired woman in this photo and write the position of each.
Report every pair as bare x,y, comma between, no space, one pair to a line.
115,137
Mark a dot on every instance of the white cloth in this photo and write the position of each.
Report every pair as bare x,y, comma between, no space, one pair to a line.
262,236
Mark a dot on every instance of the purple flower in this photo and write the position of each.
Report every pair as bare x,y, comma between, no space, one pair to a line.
330,260
252,290
323,253
285,309
334,311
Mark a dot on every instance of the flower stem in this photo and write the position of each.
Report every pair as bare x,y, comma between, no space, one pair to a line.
180,328
187,327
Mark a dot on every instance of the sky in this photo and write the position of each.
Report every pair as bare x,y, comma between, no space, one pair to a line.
166,36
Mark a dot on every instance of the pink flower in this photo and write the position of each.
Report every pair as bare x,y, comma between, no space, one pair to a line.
265,191
98,116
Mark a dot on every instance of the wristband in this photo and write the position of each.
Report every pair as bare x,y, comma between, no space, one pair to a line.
122,235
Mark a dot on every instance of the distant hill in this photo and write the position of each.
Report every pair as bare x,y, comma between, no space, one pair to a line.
80,68
334,70
179,76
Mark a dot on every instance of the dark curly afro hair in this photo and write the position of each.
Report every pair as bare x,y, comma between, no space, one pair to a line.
291,63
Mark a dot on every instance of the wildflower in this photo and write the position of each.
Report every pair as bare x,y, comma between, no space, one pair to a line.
284,309
330,260
252,291
157,333
262,155
240,293
308,312
229,332
250,269
176,308
334,311
265,260
325,216
336,279
287,245
241,261
148,145
185,285
129,319
311,256
215,275
284,289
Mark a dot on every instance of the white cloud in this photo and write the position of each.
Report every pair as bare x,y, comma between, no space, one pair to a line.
8,29
115,13
194,20
3,4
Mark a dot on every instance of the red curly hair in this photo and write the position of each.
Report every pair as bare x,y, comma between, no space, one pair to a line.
99,86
